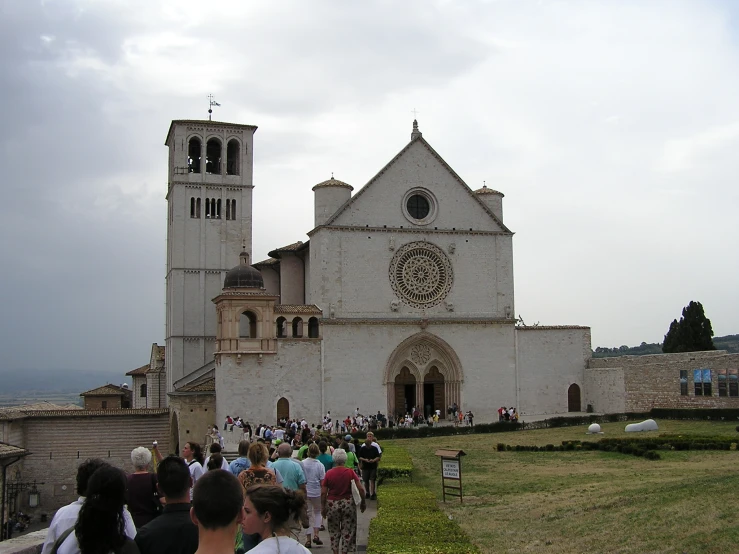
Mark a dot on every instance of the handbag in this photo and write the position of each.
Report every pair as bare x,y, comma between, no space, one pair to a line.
355,493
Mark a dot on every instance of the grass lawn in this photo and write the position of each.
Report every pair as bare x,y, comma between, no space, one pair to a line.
595,502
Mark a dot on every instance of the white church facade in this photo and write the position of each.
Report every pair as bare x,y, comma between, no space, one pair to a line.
402,297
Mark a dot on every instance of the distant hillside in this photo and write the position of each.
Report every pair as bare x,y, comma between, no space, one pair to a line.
58,380
729,343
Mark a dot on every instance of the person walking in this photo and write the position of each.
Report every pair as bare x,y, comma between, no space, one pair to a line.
268,511
337,504
173,532
369,457
99,527
143,497
193,455
314,471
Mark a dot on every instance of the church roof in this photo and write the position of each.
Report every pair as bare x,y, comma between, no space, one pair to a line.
205,122
486,190
15,412
10,451
209,385
139,370
107,390
416,137
243,275
548,327
298,309
85,413
268,261
333,183
294,247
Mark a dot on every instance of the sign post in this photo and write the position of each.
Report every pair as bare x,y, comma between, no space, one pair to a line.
451,472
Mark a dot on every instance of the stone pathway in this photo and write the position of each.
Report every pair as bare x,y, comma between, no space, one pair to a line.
363,522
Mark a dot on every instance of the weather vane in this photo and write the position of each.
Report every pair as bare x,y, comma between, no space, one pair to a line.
210,106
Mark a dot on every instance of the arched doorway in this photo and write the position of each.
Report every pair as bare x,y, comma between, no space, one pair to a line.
433,392
283,409
174,435
436,369
405,392
573,398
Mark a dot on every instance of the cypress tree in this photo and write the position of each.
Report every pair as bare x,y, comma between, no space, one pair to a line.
693,333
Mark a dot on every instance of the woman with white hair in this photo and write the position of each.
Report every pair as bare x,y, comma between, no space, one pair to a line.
143,499
337,504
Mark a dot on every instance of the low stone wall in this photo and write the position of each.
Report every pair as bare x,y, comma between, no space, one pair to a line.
26,544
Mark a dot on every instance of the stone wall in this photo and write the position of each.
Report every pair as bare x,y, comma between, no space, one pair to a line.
654,381
550,360
96,402
59,444
193,416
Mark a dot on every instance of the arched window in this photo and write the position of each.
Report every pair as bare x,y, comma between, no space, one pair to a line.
297,328
194,152
218,208
213,157
192,207
142,391
233,157
233,209
248,325
281,328
313,328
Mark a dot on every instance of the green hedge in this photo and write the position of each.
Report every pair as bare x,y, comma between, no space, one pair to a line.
409,521
643,447
396,463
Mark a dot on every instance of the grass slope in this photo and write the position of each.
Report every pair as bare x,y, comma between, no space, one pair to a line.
573,502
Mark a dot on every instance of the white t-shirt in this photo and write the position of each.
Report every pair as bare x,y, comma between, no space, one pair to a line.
314,471
224,465
196,472
287,545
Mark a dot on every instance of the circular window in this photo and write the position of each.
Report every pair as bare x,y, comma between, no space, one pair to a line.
421,274
419,206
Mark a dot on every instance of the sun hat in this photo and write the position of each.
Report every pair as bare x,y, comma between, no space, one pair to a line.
348,438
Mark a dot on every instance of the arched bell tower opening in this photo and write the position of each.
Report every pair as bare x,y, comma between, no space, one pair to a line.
423,372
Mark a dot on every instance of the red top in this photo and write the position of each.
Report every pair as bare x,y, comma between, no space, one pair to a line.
338,481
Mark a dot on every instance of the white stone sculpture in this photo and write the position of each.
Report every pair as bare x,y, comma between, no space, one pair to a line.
647,425
594,429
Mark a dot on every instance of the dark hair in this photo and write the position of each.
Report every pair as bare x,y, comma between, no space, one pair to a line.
100,527
323,446
197,452
85,471
345,446
217,499
173,476
215,447
282,504
244,448
215,461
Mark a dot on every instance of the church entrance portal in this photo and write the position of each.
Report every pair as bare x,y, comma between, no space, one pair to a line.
433,392
405,390
423,373
283,409
573,398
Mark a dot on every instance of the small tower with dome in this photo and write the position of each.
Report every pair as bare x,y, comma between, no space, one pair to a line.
329,197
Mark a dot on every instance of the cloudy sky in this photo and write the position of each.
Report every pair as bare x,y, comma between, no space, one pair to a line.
612,128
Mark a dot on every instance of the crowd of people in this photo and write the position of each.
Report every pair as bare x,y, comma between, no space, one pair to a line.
287,478
507,414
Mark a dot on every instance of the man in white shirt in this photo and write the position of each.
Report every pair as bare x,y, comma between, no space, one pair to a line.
66,516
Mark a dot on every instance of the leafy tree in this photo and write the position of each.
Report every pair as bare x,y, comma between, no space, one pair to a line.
693,333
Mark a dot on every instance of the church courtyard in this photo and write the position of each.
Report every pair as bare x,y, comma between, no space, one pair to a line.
589,501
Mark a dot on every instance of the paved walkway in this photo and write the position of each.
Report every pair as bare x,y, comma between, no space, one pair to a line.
363,522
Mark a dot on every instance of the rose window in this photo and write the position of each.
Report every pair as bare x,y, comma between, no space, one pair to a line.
421,274
420,354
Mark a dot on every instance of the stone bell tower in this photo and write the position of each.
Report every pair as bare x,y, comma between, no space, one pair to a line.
209,222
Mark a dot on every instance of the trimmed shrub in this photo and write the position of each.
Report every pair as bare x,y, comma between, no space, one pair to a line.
409,520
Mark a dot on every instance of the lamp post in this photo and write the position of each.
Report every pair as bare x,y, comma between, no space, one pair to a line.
15,487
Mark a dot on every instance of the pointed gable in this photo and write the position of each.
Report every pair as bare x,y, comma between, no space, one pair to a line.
417,166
